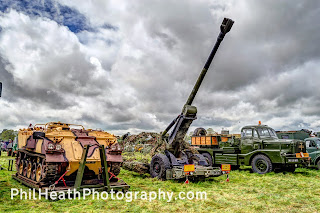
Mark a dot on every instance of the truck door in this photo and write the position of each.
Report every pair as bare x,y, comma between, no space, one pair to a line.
311,148
257,143
246,140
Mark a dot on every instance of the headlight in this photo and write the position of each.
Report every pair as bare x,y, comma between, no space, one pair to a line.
58,147
51,146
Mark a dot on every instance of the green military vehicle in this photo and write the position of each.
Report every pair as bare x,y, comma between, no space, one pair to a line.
257,146
313,148
312,143
294,135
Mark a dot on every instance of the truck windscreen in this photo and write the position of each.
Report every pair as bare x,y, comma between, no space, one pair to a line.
267,133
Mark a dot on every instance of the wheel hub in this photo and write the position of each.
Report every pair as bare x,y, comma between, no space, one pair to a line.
261,165
156,168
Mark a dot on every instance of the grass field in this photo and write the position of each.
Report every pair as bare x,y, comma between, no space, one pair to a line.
246,192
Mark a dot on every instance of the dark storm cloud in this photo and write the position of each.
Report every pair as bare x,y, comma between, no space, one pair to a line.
264,70
13,91
273,37
268,39
212,121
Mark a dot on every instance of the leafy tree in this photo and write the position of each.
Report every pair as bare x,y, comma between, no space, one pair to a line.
7,134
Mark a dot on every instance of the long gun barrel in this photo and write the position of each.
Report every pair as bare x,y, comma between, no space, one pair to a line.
224,29
0,88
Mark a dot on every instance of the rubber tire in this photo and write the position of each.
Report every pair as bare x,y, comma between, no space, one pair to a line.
263,158
199,132
208,157
318,165
290,169
164,164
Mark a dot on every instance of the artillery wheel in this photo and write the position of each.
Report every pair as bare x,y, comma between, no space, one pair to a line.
208,158
38,172
261,164
198,159
29,169
33,171
159,164
318,165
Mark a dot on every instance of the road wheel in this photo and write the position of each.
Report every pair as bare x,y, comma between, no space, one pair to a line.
159,164
38,173
261,164
25,170
29,169
20,171
208,158
33,171
18,160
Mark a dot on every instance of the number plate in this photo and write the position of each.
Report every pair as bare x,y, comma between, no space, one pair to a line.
226,167
189,168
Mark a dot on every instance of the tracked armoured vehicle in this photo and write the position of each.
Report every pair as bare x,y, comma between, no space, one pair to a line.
49,151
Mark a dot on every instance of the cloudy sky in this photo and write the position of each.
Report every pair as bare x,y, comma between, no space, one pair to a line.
130,65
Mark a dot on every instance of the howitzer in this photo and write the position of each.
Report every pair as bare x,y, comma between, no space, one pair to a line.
175,156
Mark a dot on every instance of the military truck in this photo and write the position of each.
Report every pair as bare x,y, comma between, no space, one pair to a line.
312,143
258,147
313,148
295,135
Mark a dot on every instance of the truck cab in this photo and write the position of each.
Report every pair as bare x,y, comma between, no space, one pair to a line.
313,148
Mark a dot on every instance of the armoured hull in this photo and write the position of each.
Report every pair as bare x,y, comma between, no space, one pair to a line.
47,152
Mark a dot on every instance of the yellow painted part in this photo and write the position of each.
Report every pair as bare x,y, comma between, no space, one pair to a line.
74,166
103,138
305,155
225,167
39,145
60,133
23,135
189,168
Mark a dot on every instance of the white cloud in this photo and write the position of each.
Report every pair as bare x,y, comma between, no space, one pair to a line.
137,75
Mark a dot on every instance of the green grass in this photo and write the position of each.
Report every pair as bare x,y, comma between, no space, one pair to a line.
246,192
